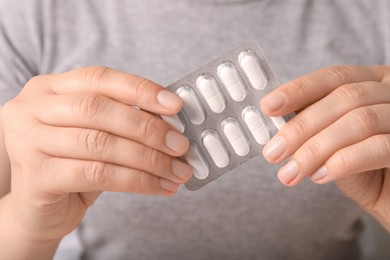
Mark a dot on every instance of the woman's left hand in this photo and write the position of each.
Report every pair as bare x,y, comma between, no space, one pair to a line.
342,133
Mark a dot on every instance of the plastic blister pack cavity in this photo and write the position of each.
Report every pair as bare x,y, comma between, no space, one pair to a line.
221,115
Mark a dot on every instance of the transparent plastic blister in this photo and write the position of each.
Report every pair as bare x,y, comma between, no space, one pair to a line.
221,115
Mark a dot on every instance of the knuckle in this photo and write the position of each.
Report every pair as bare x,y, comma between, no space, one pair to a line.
300,87
89,106
341,161
95,141
12,108
383,144
34,83
9,109
313,149
153,159
352,93
367,118
146,127
29,165
136,182
140,91
299,125
96,74
143,182
47,165
95,173
340,73
36,80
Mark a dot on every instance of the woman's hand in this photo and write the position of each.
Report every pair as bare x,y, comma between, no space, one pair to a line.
342,133
70,136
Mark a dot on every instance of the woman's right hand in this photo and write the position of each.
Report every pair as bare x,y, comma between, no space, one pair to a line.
71,136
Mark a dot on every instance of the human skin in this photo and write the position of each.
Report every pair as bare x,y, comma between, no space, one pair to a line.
342,126
71,136
341,133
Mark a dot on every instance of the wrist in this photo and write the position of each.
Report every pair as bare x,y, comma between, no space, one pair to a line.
17,243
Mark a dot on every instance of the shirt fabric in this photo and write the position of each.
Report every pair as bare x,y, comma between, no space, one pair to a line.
247,213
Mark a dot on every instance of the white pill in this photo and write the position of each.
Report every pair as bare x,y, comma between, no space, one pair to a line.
192,107
256,125
174,121
215,149
278,121
236,138
211,93
251,66
229,76
198,163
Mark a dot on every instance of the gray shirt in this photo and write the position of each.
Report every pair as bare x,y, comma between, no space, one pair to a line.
246,214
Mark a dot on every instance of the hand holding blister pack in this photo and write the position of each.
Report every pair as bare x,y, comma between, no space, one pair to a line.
221,115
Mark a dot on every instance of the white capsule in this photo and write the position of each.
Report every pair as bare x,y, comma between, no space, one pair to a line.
215,149
256,125
229,76
175,122
251,66
236,138
211,93
198,163
192,107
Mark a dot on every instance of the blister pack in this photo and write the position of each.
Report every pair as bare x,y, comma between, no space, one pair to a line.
221,115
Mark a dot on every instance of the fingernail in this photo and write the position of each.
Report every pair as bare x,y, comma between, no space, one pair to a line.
288,173
319,174
169,100
275,148
168,185
273,101
181,169
176,141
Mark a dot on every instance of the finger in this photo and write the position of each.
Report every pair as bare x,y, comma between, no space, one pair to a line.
95,145
352,128
70,175
120,86
369,154
99,112
323,113
299,93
